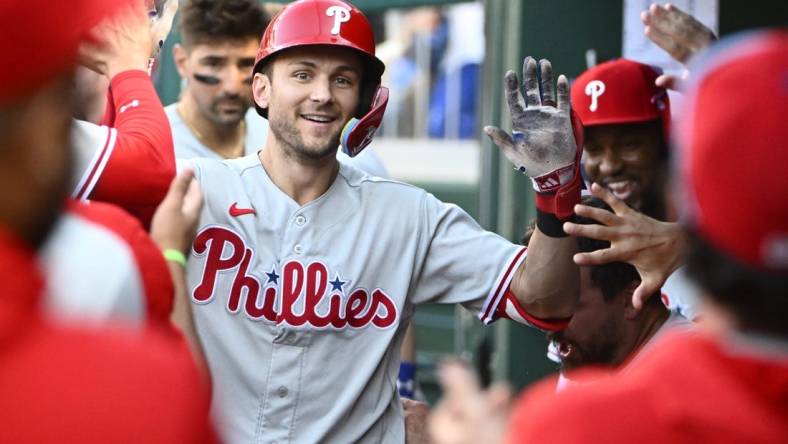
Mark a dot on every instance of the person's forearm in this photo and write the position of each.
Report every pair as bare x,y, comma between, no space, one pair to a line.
142,164
182,316
547,284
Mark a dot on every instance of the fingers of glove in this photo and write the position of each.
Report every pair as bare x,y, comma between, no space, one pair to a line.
504,142
548,91
531,82
593,231
562,88
513,96
500,138
600,215
618,205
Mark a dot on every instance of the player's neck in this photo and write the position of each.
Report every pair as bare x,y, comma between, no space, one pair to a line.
302,181
226,140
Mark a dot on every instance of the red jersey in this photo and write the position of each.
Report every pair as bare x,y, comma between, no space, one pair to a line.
69,385
129,160
691,389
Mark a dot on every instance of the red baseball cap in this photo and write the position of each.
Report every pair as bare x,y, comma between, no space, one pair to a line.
732,144
620,91
41,38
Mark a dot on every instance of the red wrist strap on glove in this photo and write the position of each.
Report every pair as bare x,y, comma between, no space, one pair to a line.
555,196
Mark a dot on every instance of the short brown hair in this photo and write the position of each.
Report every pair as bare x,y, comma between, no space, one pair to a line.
211,21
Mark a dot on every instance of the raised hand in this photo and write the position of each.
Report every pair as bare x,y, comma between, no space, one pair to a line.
542,141
175,221
678,33
654,248
119,43
466,414
416,416
161,22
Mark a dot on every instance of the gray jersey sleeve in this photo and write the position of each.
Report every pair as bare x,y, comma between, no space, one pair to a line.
463,263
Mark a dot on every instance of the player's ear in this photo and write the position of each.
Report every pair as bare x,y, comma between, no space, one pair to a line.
261,89
180,56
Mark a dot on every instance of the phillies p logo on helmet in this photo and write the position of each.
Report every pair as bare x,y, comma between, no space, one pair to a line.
340,14
595,88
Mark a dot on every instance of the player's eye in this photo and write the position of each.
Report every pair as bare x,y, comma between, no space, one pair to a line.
592,149
301,75
213,63
343,81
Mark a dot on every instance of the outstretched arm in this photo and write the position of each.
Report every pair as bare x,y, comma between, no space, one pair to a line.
130,161
543,146
678,33
173,228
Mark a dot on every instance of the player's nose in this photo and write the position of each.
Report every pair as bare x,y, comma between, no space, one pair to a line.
610,162
235,79
321,90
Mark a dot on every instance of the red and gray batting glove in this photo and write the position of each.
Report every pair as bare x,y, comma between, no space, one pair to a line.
545,142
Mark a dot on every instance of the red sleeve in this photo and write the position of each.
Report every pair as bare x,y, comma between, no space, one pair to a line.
510,308
142,164
156,280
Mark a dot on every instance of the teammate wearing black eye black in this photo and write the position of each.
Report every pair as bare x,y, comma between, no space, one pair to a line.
215,59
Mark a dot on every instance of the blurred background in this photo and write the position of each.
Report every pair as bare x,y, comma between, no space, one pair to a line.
445,62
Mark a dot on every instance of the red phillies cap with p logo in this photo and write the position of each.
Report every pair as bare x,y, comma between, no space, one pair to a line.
620,91
732,145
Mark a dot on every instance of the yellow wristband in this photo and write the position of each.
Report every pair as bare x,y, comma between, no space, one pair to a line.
176,256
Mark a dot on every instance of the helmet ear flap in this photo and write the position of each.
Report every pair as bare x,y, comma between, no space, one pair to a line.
358,133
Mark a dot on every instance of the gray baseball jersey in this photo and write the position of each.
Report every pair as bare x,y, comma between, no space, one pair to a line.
187,146
301,309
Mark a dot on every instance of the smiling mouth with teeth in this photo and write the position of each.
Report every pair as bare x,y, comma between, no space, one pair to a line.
565,349
317,118
622,189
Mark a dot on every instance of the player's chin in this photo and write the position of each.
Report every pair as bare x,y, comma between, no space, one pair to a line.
230,118
322,148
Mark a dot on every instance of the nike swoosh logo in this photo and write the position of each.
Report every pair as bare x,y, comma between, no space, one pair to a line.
235,211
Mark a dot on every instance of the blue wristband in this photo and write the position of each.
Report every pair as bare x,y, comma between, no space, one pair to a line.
406,381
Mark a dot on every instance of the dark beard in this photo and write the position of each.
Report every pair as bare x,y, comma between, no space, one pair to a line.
294,145
600,350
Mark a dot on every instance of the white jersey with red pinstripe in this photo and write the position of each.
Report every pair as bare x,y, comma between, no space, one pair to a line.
301,309
93,146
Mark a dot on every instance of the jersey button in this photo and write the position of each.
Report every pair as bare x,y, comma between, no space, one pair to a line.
282,391
298,249
300,220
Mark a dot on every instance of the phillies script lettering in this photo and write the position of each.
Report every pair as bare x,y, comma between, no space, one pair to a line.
307,283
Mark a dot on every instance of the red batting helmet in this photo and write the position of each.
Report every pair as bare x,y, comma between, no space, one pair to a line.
334,23
620,91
